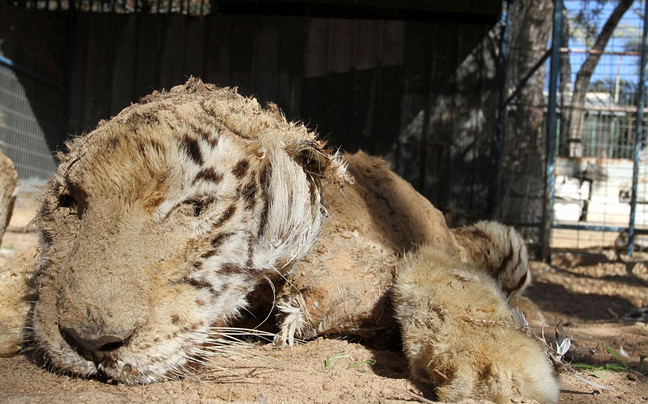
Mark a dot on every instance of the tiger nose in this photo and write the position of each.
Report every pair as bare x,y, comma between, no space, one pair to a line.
92,342
94,346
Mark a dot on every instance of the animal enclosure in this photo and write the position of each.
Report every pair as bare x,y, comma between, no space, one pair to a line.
440,90
591,150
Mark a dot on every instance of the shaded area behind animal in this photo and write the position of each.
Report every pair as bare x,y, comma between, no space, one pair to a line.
578,306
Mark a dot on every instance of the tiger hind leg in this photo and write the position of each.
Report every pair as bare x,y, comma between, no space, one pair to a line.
459,337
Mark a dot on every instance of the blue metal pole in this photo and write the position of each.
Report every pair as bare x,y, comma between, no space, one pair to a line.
552,125
22,69
638,134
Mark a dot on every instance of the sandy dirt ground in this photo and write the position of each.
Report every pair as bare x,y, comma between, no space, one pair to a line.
587,292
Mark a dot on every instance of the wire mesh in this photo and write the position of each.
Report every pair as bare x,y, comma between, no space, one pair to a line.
594,160
23,136
604,173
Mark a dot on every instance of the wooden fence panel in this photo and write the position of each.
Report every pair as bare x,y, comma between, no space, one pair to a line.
149,49
76,124
292,42
217,51
392,87
341,42
194,39
173,52
241,44
316,54
265,61
124,69
367,42
99,65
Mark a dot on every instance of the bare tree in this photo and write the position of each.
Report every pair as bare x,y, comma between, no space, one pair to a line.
574,116
530,30
521,172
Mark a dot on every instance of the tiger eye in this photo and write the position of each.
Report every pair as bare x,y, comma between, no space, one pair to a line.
66,201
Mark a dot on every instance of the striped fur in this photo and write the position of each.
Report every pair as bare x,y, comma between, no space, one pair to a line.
497,249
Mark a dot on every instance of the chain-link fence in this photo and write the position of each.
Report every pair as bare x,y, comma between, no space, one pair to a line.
591,160
29,125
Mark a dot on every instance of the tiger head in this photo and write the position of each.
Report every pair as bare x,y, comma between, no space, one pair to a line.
161,221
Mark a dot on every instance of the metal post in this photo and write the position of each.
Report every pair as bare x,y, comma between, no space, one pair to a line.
638,133
500,113
547,211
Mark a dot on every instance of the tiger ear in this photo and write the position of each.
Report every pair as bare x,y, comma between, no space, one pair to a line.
298,168
318,161
308,152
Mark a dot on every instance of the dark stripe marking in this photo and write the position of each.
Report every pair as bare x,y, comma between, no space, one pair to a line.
220,239
192,148
248,193
208,174
47,237
249,262
240,169
264,175
45,210
522,281
506,261
205,134
264,180
210,135
227,215
203,285
210,254
112,143
479,233
216,244
512,253
232,269
199,284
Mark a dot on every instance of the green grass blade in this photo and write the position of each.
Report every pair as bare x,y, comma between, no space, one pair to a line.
614,367
618,357
360,363
583,366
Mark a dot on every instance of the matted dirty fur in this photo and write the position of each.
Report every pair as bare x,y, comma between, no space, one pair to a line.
197,210
458,334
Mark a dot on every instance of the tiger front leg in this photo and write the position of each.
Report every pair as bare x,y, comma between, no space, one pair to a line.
459,337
